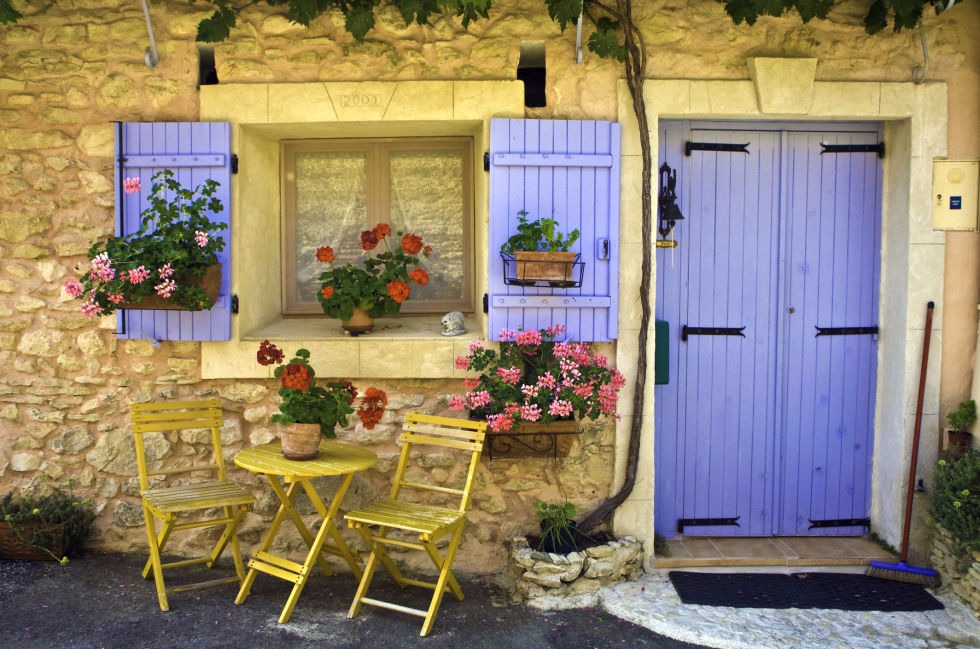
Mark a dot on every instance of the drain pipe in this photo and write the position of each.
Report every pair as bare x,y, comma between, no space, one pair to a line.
152,56
578,35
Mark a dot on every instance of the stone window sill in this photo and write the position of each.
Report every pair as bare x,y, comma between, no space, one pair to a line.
398,348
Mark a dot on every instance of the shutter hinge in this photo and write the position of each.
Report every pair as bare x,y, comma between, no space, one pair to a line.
234,163
486,303
234,303
486,161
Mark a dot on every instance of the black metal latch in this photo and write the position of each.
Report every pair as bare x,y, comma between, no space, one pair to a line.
715,146
854,148
705,522
840,522
847,331
711,331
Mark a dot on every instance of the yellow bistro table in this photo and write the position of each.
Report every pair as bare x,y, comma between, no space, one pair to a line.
286,477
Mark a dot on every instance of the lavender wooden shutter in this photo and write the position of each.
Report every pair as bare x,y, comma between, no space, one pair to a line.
569,171
195,152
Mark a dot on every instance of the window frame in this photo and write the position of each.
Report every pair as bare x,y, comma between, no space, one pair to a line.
377,152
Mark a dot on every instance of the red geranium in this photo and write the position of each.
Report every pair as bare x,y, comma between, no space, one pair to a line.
399,291
379,283
369,240
307,401
325,254
411,243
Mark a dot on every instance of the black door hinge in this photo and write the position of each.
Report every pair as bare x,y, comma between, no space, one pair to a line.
486,161
234,163
486,303
234,304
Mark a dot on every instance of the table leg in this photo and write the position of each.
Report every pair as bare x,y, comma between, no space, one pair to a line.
261,558
327,526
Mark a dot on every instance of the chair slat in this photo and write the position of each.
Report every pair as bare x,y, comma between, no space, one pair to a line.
463,445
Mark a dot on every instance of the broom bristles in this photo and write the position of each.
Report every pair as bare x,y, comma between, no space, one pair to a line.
904,572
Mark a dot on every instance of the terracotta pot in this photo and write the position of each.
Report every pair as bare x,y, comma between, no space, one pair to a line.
545,266
300,441
359,323
958,441
210,282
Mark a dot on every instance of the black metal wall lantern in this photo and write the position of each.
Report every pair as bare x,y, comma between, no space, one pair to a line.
668,213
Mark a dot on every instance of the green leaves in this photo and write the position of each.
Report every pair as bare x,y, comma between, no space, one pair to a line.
359,17
953,505
217,26
7,12
905,14
604,41
564,11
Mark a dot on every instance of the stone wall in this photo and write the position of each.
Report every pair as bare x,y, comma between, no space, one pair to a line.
70,69
965,584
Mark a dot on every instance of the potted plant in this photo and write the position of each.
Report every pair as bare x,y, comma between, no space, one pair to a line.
960,420
310,409
540,251
534,378
41,524
558,530
378,286
170,262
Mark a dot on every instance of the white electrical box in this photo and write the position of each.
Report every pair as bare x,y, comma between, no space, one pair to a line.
954,194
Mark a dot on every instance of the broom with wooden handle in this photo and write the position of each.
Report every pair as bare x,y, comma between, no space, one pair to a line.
902,571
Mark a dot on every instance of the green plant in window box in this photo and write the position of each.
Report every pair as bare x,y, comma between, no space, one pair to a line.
539,235
381,283
539,252
954,503
46,522
164,260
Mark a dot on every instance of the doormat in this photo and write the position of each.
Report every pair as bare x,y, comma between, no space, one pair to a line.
844,591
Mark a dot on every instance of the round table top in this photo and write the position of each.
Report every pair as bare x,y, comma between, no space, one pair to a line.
335,458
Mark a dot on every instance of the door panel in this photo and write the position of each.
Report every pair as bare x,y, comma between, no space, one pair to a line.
771,430
832,270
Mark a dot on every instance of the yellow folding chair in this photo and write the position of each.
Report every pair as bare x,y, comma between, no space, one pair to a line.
186,498
403,512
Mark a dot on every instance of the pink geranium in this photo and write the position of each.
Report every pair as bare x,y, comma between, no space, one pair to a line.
536,378
131,185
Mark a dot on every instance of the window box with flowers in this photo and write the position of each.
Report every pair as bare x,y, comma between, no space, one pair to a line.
309,409
170,262
356,294
534,388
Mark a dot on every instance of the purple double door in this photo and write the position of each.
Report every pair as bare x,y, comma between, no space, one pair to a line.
766,422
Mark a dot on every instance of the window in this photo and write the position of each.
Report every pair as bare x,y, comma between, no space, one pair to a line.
334,189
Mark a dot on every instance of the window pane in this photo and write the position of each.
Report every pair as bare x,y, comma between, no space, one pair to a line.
331,209
426,197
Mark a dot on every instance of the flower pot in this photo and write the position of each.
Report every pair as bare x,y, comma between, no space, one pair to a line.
300,441
958,442
32,541
545,266
359,323
210,282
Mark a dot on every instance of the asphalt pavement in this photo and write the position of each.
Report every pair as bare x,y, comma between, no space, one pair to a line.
100,601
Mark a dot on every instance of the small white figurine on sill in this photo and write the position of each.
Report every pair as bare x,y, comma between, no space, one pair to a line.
452,324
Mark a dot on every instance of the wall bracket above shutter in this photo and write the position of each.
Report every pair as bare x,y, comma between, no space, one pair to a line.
195,152
568,171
